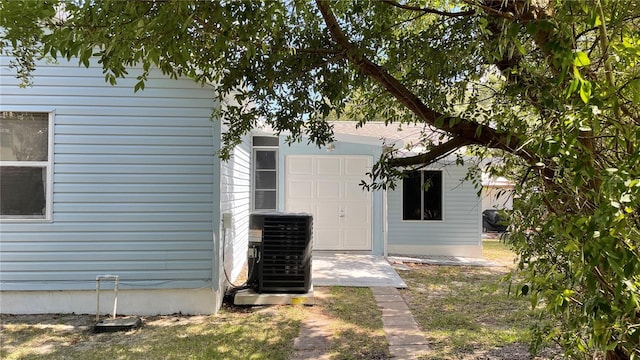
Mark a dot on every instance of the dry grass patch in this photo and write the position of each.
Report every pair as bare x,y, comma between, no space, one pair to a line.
467,312
260,333
496,250
235,333
358,331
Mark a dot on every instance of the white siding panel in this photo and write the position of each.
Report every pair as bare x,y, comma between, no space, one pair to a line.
235,198
133,179
460,226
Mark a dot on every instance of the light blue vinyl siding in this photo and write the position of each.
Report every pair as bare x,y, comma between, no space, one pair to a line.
461,221
134,178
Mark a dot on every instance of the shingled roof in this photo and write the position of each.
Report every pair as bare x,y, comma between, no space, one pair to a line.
398,134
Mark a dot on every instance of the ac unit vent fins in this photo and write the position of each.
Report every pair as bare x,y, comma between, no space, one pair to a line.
284,264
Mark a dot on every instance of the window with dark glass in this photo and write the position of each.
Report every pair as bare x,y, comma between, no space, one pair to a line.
265,173
422,195
24,164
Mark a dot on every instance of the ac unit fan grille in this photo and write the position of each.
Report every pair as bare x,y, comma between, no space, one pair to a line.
286,254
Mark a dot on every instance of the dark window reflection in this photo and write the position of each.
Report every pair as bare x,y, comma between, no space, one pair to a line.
22,190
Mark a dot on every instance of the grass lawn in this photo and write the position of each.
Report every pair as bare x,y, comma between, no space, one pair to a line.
358,332
466,312
496,250
264,334
235,333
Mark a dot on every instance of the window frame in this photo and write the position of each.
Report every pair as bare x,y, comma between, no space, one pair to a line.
47,165
254,170
442,202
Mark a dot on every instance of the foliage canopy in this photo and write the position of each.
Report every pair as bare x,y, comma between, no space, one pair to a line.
552,87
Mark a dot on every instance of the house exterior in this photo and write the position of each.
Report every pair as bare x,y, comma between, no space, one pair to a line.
96,179
444,220
123,183
497,193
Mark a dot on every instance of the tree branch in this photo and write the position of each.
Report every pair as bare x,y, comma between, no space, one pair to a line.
428,10
431,156
490,10
469,131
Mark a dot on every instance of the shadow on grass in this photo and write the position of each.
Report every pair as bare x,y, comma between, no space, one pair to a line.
466,312
358,333
229,335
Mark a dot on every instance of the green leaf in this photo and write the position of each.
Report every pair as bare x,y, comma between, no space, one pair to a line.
573,86
139,86
581,59
585,91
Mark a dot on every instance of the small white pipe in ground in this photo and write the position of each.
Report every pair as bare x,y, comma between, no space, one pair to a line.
116,279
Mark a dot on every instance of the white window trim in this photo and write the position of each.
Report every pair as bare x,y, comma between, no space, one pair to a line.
422,199
253,172
47,164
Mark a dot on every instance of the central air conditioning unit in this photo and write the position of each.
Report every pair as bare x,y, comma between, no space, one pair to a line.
279,253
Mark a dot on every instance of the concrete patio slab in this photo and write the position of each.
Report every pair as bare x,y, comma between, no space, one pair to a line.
251,297
354,270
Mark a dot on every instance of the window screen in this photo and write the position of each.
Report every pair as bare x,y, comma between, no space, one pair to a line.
24,164
265,179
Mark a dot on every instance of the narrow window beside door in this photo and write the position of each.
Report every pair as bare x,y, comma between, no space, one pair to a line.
24,164
422,195
265,173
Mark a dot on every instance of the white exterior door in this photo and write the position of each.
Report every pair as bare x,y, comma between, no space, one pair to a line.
328,187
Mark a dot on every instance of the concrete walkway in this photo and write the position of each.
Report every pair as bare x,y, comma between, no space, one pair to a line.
405,339
314,340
